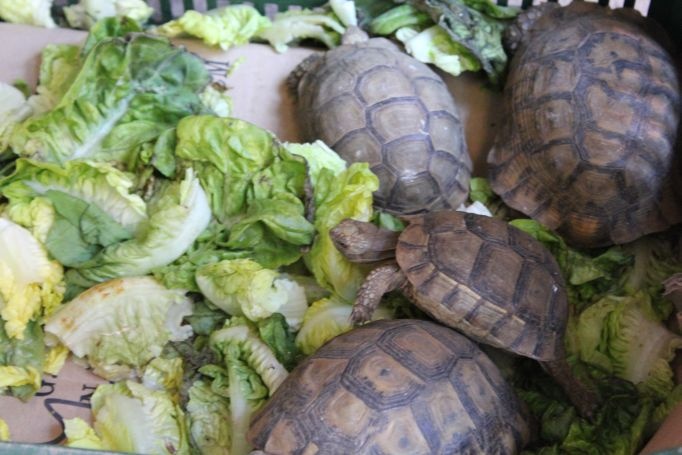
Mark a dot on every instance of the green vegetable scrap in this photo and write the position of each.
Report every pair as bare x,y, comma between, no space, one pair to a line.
30,12
126,94
133,417
225,27
93,324
221,404
455,35
243,287
86,13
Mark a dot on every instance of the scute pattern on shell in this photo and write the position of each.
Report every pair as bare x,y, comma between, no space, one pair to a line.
372,103
488,279
400,386
592,112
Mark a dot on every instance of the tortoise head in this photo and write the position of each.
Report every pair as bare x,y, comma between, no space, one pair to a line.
360,241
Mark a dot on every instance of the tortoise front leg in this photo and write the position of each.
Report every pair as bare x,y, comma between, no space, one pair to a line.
583,398
381,280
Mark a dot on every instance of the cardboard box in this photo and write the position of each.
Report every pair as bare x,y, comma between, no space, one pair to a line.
260,96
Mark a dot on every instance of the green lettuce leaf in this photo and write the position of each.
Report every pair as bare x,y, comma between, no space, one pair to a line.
30,12
610,338
21,362
122,324
277,334
399,17
327,318
338,196
127,92
178,214
252,373
254,185
434,45
243,287
209,419
225,27
290,27
4,431
31,284
129,417
86,13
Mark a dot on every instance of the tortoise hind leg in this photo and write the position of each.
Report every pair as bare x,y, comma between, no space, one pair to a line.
582,397
381,280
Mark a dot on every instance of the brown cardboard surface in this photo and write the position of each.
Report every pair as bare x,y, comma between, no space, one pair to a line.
260,96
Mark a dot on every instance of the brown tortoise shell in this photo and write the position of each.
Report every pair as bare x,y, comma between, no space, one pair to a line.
592,110
488,279
372,103
389,387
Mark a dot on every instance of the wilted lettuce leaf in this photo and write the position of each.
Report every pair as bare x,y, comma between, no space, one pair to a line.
31,283
622,336
456,35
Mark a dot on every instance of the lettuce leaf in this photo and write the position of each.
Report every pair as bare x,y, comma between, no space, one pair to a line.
86,13
127,92
121,325
21,362
336,197
178,214
224,27
30,12
31,285
243,287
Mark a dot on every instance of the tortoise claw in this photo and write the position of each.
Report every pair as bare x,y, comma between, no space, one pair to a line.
360,315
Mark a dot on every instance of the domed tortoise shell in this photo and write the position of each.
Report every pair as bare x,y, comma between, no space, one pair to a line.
372,103
389,387
592,105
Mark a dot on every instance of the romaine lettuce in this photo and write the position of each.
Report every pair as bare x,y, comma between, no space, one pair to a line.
243,287
127,92
122,324
86,13
224,27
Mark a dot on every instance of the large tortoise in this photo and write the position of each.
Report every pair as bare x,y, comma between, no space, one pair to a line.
592,108
393,387
372,103
477,274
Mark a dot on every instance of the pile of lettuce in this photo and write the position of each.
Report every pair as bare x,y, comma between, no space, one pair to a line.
180,254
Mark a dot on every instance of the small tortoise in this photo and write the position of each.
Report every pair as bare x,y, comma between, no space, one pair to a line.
477,274
592,107
372,103
393,387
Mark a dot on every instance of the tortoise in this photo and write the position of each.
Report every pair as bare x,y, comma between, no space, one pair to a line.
592,107
473,273
389,387
373,103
